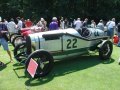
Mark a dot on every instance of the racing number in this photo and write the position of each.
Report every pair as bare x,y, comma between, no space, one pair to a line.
71,43
68,44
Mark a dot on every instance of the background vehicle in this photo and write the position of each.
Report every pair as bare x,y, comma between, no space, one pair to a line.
20,37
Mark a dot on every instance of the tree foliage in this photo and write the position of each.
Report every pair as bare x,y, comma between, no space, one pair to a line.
35,9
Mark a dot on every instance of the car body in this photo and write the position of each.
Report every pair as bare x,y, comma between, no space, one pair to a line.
58,44
66,40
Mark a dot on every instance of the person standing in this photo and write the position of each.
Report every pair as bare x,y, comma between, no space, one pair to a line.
85,23
28,23
12,27
5,22
93,24
62,23
78,24
111,27
43,24
66,23
54,24
19,24
3,41
100,25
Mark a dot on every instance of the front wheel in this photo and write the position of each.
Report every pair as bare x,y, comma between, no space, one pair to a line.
105,50
44,60
12,36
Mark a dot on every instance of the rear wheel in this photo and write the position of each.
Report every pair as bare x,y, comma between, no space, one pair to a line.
105,50
44,60
12,36
17,40
20,52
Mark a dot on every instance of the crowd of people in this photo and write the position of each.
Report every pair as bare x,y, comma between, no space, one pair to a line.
11,27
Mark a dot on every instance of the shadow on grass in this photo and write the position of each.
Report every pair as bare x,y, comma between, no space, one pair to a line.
39,81
18,64
16,72
77,64
69,65
111,60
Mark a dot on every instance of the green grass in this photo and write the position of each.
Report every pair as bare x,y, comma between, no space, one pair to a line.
80,73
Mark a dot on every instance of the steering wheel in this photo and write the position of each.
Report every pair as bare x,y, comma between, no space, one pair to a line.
85,32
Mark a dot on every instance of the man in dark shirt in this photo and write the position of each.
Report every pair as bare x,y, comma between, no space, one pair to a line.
3,41
85,23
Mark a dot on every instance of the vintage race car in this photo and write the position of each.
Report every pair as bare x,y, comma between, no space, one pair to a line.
45,47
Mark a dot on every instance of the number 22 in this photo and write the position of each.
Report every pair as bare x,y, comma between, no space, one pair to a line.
70,44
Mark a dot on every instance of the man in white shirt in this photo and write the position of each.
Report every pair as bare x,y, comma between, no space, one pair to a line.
12,27
100,25
62,23
78,24
111,27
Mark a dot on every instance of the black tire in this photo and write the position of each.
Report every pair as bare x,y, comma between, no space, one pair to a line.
105,50
12,36
17,40
20,52
44,60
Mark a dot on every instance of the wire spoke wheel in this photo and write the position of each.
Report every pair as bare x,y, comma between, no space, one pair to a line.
105,50
20,52
12,36
17,40
44,61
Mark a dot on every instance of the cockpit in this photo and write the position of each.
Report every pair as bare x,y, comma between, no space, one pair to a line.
84,32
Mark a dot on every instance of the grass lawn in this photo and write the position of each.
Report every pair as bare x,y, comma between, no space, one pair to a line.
80,73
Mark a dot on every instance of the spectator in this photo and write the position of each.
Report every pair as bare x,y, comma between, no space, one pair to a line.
111,27
12,27
23,22
100,25
54,24
42,23
3,41
66,23
108,22
93,24
85,23
28,23
62,23
5,22
78,24
19,24
70,23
